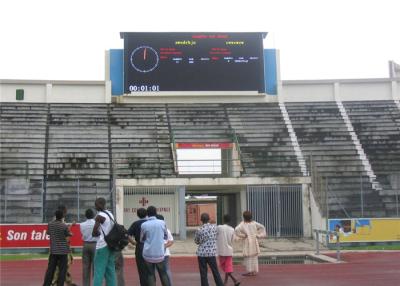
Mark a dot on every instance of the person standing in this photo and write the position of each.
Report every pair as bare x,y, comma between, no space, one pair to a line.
68,276
104,259
119,268
225,237
167,244
134,231
89,247
153,233
250,232
206,239
59,249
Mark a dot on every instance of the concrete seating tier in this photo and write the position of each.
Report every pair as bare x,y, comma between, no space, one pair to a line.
22,140
93,143
140,141
78,151
323,138
78,142
377,125
265,145
199,123
22,152
352,196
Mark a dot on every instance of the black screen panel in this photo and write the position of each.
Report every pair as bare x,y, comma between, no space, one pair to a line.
193,62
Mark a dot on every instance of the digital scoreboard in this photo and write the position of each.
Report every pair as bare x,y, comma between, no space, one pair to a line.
156,62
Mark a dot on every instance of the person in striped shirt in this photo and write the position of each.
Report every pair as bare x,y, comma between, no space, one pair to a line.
59,249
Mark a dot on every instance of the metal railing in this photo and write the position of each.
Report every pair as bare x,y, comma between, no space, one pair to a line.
327,233
236,163
178,167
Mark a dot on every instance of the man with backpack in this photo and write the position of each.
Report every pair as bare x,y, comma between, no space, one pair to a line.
104,259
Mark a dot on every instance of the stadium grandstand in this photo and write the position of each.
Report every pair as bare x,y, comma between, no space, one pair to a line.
296,153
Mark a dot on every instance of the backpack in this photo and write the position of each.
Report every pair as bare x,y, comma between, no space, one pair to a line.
117,238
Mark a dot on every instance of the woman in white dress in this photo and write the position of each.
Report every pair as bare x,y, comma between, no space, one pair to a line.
249,232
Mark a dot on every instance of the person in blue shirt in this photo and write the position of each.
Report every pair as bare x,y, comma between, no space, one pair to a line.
153,233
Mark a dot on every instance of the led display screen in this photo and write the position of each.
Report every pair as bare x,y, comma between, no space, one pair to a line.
156,62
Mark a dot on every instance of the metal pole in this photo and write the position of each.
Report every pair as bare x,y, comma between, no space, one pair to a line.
78,190
26,170
44,205
362,196
327,208
326,201
397,202
337,247
5,200
279,222
317,242
41,209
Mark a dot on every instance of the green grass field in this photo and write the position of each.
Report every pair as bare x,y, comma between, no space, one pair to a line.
27,256
373,247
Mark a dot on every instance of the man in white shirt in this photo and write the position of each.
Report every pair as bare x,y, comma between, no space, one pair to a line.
89,247
225,236
167,244
104,259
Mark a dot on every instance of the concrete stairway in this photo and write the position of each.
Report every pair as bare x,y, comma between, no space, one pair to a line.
377,124
293,137
364,159
323,135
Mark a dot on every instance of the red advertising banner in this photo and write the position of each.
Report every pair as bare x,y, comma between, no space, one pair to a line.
32,236
224,145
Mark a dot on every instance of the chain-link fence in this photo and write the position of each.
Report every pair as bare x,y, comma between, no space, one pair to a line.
346,197
35,201
21,200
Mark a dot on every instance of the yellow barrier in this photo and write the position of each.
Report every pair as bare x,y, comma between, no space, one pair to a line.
365,229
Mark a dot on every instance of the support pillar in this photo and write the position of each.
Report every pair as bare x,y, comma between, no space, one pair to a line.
182,212
119,204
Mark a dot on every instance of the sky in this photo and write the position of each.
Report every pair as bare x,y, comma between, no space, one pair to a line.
66,40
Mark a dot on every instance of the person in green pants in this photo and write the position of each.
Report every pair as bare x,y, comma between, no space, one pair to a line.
104,258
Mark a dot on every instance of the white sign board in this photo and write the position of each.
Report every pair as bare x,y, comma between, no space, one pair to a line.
165,201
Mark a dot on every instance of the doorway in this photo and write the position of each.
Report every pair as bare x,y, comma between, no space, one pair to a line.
215,203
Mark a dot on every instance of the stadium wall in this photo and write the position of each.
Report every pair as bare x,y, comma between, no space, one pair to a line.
343,89
56,91
290,91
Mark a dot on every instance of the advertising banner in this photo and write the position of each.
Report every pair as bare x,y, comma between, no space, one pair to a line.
32,236
217,145
365,229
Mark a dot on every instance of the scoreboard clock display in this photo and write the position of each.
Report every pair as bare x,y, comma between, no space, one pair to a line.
156,62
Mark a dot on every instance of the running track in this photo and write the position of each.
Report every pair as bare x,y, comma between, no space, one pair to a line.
364,269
